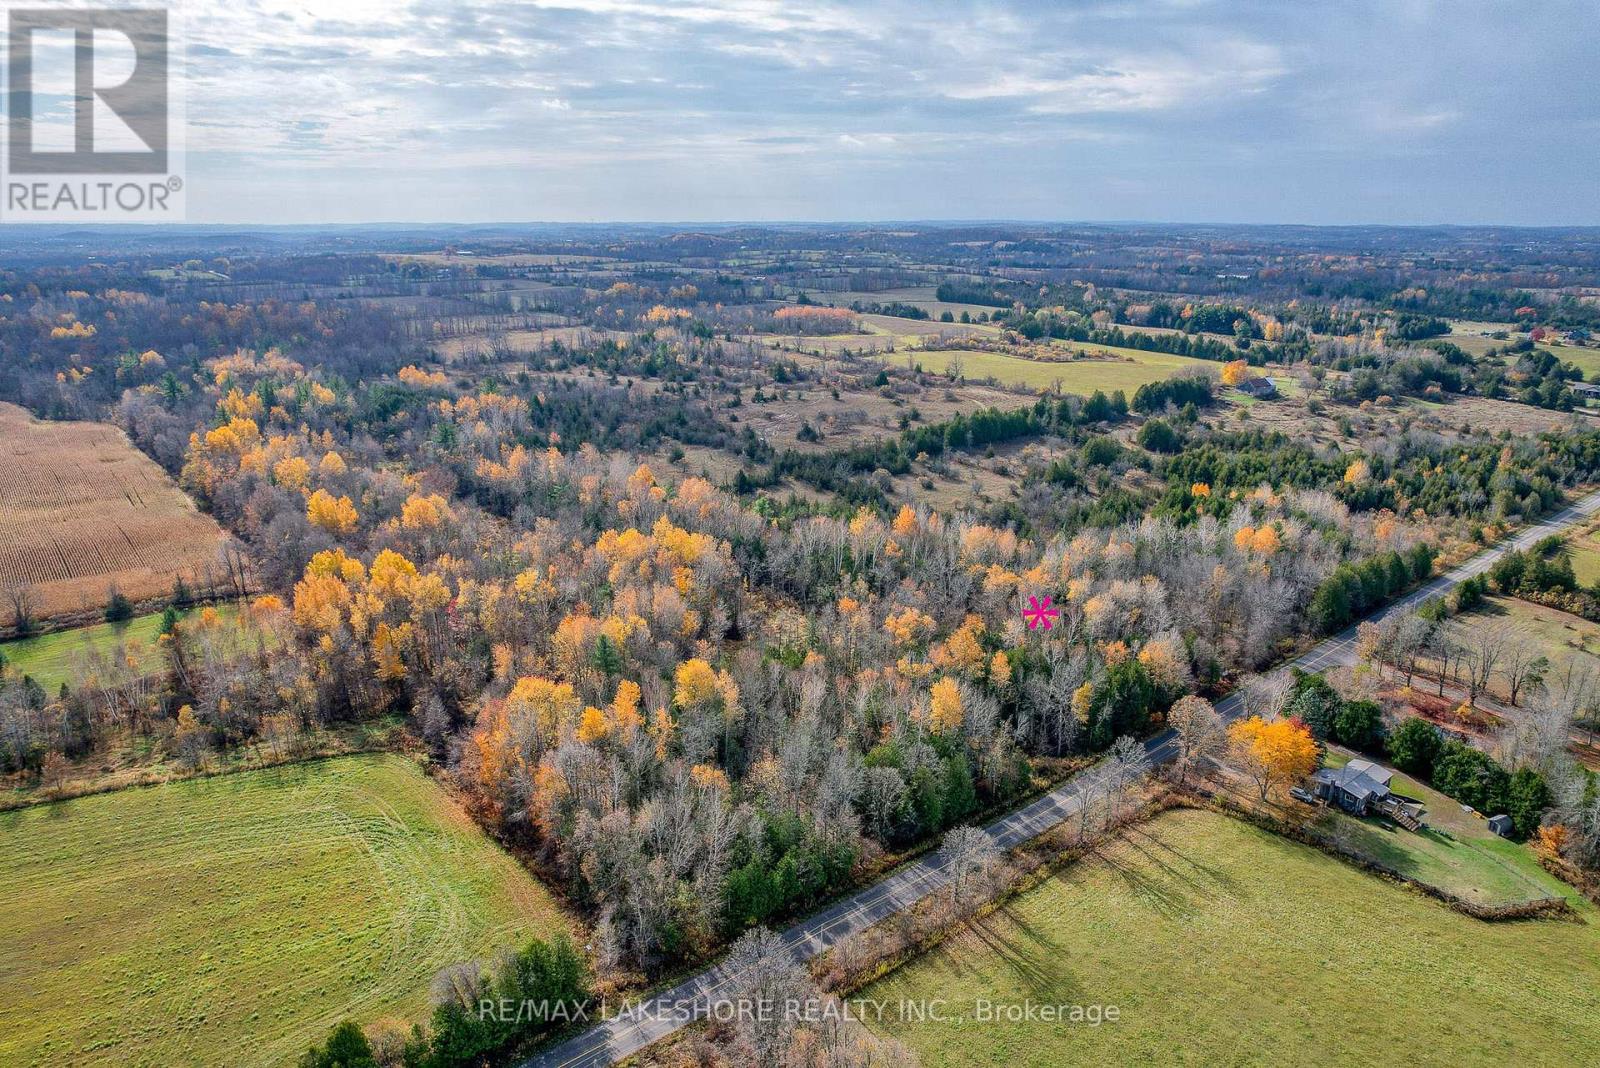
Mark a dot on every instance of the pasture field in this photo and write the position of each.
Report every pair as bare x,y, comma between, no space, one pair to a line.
1222,944
82,510
828,344
1490,416
1127,368
234,920
1477,342
1585,548
1077,376
1478,326
1455,851
1587,359
1571,642
862,415
1291,414
55,658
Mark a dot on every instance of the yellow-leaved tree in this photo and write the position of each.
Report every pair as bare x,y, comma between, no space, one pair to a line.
945,709
292,472
551,707
1273,753
1000,671
336,515
593,727
698,685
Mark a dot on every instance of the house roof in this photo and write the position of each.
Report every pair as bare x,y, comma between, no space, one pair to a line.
1372,771
1361,779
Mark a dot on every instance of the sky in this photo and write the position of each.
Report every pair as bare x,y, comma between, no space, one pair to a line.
1388,111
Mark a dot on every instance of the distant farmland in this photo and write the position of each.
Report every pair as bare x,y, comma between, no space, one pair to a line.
83,511
234,920
1127,370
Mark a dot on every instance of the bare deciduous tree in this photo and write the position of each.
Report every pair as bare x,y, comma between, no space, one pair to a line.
1482,648
765,977
1408,641
1126,767
23,602
1525,667
968,853
1266,695
1199,729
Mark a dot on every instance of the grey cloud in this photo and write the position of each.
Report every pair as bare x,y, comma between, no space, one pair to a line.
1187,109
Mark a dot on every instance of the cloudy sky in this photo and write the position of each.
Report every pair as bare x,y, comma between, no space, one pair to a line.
1289,111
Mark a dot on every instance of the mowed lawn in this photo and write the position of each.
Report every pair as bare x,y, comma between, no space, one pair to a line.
1078,376
1222,944
1455,851
235,920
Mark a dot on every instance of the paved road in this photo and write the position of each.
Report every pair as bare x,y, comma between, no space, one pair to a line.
628,1033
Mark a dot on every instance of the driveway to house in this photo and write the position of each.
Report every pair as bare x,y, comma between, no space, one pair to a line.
695,998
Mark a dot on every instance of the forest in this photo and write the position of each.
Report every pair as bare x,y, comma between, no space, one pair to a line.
699,697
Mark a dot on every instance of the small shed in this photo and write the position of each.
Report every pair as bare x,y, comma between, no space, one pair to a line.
1500,825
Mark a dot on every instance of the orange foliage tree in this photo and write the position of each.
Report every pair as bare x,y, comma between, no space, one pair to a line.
1273,752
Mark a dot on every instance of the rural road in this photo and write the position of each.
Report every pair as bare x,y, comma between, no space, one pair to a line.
629,1032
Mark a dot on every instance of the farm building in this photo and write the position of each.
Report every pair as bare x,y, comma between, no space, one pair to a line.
1500,825
1258,387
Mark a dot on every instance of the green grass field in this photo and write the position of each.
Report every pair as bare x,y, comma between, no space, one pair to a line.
1586,561
1079,376
1585,548
234,920
1586,359
51,659
1455,851
1222,944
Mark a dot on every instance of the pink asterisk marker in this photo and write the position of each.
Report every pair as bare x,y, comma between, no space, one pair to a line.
1039,613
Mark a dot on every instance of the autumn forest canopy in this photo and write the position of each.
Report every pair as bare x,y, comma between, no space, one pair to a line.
695,563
